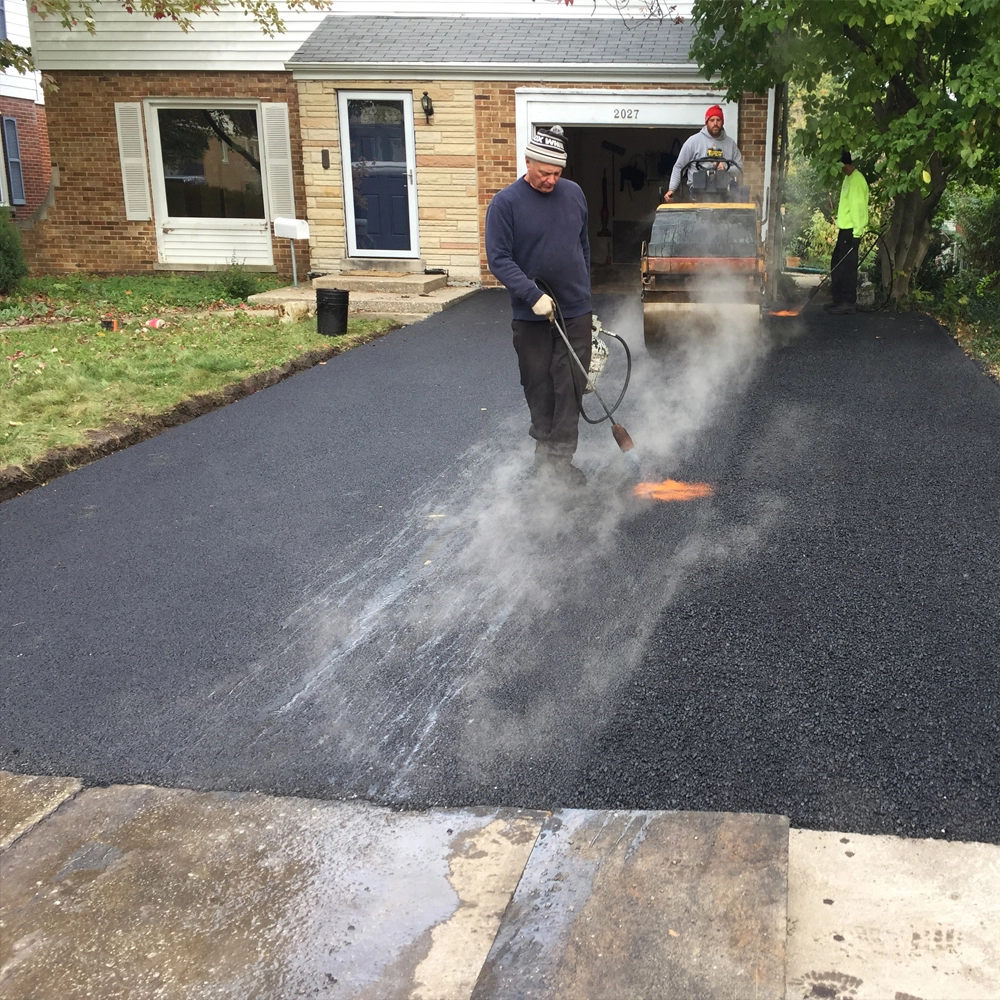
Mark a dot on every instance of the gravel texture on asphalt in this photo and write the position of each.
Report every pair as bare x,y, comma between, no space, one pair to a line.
348,584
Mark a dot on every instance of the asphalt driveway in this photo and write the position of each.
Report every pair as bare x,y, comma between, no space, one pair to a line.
345,585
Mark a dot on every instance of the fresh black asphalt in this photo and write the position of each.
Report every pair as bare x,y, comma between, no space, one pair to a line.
347,585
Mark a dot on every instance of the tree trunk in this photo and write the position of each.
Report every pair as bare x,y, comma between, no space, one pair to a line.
905,243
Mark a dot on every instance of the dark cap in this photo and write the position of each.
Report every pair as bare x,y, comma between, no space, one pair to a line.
845,157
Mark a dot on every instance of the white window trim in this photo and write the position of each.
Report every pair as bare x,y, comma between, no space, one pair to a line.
155,153
162,220
4,196
406,96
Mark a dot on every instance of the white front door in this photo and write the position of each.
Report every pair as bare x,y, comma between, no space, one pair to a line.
209,182
376,141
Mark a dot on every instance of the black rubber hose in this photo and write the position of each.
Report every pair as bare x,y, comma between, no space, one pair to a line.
608,410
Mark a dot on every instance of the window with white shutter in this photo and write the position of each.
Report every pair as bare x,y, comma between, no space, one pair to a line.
12,154
278,160
132,150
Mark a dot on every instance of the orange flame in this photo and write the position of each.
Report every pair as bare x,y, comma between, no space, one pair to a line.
671,489
784,312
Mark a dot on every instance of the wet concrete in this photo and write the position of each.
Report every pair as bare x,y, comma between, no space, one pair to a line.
877,917
26,799
135,892
142,893
616,906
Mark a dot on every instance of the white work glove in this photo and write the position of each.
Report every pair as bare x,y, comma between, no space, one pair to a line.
544,307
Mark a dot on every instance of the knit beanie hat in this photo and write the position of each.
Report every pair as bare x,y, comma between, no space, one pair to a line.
547,146
714,112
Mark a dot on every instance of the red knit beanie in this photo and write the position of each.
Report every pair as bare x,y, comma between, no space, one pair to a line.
714,112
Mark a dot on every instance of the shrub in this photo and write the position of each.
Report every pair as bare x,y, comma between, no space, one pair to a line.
12,265
238,282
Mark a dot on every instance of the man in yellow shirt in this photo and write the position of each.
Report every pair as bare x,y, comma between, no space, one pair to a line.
852,221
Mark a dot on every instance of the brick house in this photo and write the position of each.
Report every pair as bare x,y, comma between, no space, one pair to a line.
186,165
626,96
25,172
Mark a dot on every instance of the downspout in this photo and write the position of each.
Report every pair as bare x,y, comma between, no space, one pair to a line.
768,155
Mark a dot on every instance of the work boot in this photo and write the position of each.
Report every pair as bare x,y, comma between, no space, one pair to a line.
842,309
572,476
550,470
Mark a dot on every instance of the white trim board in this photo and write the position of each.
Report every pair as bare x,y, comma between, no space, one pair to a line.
547,72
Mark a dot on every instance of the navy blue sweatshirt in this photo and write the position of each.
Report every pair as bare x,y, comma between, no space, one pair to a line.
534,235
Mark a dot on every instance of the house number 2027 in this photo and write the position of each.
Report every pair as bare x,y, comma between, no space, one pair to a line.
626,112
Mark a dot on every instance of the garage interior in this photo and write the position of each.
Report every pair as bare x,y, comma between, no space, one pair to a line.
622,189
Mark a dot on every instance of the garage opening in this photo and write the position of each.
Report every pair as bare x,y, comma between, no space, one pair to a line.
622,189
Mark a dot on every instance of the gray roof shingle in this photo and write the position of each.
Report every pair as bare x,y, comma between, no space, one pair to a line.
496,40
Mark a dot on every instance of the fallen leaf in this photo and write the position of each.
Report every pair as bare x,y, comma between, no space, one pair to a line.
672,932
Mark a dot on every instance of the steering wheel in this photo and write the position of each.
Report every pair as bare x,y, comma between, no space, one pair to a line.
707,161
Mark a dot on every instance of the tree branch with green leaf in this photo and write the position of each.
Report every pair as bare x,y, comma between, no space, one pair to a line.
915,95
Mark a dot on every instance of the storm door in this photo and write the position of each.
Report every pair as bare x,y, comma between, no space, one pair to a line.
376,140
209,184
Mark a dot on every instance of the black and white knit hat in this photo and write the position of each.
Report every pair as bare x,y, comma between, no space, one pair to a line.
547,146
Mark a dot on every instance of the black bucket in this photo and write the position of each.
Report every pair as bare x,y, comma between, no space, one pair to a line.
331,311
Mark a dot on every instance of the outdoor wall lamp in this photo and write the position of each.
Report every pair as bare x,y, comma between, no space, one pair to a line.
428,106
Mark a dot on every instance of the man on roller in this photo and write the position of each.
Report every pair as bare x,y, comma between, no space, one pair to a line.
711,143
537,228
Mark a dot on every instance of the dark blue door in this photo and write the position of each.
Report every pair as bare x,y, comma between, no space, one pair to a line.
379,174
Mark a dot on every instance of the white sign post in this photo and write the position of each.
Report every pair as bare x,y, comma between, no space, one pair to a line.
292,230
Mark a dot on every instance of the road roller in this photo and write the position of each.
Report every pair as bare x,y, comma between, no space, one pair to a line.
703,264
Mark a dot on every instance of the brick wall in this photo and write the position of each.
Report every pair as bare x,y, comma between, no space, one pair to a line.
447,188
752,141
87,229
497,141
33,140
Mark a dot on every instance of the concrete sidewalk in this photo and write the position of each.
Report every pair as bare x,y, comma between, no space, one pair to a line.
140,892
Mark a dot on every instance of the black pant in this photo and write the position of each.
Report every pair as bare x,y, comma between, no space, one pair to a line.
553,385
844,276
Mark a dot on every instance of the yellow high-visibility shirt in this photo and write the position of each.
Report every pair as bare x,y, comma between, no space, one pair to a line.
852,210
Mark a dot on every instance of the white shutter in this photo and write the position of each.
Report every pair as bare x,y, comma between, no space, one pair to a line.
278,161
132,150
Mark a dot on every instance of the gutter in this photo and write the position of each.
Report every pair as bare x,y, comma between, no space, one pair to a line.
572,72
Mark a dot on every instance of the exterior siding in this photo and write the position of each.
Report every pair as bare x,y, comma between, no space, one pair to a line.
87,230
24,86
447,188
230,40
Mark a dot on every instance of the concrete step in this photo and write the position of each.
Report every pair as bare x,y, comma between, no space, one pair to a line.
410,305
396,284
382,265
422,303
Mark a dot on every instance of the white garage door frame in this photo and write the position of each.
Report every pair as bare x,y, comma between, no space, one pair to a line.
615,108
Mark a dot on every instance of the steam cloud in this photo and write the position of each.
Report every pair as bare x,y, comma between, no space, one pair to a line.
499,625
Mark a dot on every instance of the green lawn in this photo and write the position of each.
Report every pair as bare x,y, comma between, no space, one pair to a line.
63,378
89,296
